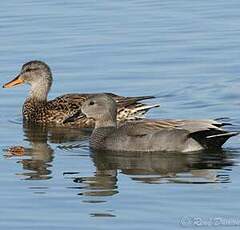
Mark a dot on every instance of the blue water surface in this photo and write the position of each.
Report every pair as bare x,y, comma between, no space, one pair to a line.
186,53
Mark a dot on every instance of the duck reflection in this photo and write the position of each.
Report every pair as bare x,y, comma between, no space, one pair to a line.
165,167
153,168
39,156
148,168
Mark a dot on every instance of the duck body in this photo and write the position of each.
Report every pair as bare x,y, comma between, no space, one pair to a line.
55,112
160,135
150,135
38,109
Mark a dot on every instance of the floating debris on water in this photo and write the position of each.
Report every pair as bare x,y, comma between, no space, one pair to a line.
15,151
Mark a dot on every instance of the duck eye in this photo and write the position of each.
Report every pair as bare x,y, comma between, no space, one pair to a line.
30,69
91,103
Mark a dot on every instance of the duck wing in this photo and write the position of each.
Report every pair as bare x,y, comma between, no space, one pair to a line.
128,107
146,127
190,125
73,102
208,133
68,103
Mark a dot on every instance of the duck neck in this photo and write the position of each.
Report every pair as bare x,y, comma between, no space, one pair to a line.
39,92
105,124
97,140
108,119
103,128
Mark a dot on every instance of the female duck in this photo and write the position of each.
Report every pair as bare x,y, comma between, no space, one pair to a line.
39,110
150,135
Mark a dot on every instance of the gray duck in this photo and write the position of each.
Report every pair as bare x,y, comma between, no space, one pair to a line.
149,135
38,109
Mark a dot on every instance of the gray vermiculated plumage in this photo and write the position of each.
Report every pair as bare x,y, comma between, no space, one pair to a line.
150,135
38,109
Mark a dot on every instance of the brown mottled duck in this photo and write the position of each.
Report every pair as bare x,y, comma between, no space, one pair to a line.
38,109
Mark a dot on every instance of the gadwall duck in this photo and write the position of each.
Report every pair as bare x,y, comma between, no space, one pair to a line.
150,135
38,109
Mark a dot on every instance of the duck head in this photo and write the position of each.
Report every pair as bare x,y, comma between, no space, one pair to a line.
38,75
102,108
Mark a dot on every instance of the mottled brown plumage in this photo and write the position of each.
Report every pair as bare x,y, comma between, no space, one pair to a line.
38,109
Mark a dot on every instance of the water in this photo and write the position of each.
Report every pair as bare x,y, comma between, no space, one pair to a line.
184,52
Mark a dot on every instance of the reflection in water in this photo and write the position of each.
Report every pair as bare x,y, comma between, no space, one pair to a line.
153,168
103,183
101,215
148,168
40,154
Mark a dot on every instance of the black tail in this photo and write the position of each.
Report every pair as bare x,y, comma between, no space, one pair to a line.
219,139
212,139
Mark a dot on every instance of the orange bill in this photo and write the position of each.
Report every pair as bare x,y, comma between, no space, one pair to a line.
15,81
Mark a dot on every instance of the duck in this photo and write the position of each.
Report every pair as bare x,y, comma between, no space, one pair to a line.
38,109
149,135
